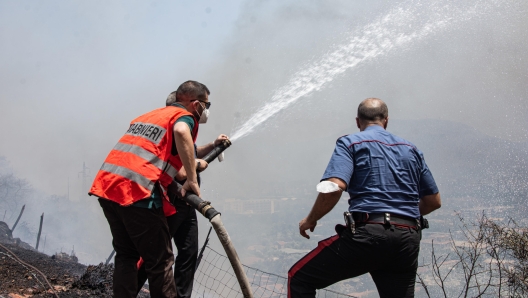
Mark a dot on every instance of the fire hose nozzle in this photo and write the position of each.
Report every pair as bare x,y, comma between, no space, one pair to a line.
226,143
217,151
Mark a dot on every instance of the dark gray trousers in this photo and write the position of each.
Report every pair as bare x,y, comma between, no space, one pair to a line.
388,253
183,227
140,232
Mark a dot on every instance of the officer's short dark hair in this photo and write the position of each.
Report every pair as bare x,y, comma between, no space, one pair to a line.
193,89
372,112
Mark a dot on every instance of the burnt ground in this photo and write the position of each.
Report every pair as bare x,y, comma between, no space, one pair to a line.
67,277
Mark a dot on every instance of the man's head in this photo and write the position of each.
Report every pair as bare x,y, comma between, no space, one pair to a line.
194,96
372,111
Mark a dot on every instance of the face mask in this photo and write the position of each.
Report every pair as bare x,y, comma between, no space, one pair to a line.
204,116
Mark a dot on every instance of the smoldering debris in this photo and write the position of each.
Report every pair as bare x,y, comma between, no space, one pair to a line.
5,232
66,257
25,272
96,279
18,278
6,236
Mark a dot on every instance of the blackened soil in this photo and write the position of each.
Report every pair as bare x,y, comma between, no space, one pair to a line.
69,279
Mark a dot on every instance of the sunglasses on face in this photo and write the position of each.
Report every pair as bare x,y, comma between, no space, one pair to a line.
207,104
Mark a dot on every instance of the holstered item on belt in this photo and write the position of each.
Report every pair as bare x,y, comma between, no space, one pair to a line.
424,223
350,223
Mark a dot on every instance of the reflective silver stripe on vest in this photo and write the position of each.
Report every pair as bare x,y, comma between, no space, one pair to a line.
145,154
148,156
129,174
171,171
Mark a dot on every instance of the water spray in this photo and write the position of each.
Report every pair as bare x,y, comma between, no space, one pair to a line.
398,30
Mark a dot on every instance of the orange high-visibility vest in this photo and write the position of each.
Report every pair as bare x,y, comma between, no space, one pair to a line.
145,155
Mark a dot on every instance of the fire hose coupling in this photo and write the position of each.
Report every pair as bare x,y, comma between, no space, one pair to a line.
204,206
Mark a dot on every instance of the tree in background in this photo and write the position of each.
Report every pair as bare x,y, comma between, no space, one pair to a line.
13,193
489,260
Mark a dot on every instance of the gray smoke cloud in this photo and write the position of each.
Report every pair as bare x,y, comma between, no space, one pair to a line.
75,74
471,72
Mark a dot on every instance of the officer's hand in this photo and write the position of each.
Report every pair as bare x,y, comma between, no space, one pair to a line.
192,186
219,140
201,165
304,225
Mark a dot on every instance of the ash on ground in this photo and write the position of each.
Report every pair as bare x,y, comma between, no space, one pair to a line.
67,277
97,280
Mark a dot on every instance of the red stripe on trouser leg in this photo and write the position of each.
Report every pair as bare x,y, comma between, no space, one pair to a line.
322,244
140,262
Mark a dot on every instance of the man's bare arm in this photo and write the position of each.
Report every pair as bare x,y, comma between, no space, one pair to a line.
185,147
324,203
202,151
429,203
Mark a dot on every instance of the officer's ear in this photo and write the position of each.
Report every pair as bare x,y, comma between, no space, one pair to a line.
357,123
386,123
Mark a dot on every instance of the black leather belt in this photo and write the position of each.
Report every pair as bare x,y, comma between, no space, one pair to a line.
385,218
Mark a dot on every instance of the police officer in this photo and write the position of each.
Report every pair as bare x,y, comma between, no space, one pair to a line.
390,187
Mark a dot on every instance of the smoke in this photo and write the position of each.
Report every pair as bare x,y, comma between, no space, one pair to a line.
74,74
399,29
457,91
470,70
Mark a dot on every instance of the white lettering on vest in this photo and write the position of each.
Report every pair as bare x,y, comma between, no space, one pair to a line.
149,131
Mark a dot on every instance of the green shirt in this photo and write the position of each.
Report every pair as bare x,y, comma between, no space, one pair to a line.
154,201
187,119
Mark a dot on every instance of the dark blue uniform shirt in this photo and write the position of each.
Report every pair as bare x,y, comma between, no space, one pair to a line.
383,172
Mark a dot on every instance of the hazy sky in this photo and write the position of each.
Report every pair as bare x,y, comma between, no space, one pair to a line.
74,73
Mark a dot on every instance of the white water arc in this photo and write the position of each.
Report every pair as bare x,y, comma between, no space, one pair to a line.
396,30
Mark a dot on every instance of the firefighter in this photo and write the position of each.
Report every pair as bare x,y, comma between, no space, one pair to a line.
132,185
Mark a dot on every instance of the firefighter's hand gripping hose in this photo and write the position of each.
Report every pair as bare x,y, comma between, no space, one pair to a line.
217,150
